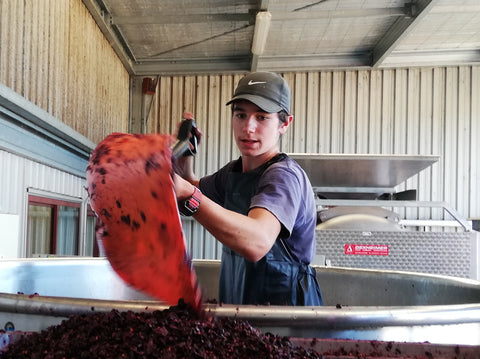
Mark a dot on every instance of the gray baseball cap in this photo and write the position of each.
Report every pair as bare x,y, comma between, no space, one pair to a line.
267,90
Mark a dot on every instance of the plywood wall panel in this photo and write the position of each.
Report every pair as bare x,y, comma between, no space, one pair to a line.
338,113
376,121
325,104
312,98
387,98
422,133
464,133
362,110
400,107
53,54
287,140
224,114
474,141
204,122
159,120
451,136
298,135
349,104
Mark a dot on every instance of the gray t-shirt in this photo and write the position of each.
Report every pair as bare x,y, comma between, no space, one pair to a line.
283,189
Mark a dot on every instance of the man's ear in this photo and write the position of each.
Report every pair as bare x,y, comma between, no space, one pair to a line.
284,126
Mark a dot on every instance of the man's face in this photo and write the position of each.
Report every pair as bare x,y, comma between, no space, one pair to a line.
256,132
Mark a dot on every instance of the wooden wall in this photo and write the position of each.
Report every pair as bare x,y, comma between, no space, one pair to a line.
53,54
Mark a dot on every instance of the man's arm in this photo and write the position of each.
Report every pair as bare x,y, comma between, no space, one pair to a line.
250,236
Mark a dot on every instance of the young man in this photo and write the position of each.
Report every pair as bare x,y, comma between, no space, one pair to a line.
261,206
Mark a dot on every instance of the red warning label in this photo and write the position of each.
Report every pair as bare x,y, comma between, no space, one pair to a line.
366,249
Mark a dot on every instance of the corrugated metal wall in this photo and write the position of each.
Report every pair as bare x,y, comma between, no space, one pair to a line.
53,54
26,176
396,111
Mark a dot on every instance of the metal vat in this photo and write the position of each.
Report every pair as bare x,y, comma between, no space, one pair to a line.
360,304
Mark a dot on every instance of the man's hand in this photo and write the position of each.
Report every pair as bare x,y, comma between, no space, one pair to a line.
183,188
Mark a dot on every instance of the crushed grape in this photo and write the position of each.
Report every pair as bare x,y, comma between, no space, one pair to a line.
177,332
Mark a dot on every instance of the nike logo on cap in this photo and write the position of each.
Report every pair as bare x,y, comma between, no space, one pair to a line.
255,82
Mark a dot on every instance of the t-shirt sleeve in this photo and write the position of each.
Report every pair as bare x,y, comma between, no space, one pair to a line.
279,191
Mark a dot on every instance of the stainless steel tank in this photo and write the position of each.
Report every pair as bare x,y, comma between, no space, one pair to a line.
360,304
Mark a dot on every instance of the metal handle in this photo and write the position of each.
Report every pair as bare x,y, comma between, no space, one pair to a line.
187,141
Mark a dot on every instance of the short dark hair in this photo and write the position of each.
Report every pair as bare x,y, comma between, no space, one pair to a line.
283,116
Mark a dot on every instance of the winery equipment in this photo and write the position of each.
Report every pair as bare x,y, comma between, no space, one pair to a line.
364,222
360,304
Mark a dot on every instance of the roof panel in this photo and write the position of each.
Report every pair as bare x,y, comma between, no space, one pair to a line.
303,34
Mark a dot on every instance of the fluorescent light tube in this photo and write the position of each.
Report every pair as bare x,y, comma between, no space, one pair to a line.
262,23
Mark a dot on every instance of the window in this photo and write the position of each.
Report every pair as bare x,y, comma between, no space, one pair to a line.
54,228
91,247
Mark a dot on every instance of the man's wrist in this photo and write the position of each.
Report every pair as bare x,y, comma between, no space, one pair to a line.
190,205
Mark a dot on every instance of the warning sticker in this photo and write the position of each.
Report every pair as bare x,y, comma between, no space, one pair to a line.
366,249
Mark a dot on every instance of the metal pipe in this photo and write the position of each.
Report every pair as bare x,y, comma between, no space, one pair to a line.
319,317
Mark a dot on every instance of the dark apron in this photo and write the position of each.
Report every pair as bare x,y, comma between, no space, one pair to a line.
276,279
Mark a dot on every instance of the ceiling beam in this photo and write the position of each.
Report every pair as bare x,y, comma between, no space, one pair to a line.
338,14
254,63
111,33
193,66
165,19
264,5
400,29
302,63
432,58
313,62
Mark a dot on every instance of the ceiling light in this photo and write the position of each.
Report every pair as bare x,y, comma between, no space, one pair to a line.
262,23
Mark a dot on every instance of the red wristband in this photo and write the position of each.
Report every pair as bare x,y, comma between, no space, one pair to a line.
190,206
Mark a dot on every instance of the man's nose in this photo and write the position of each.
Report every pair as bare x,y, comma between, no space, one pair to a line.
251,124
